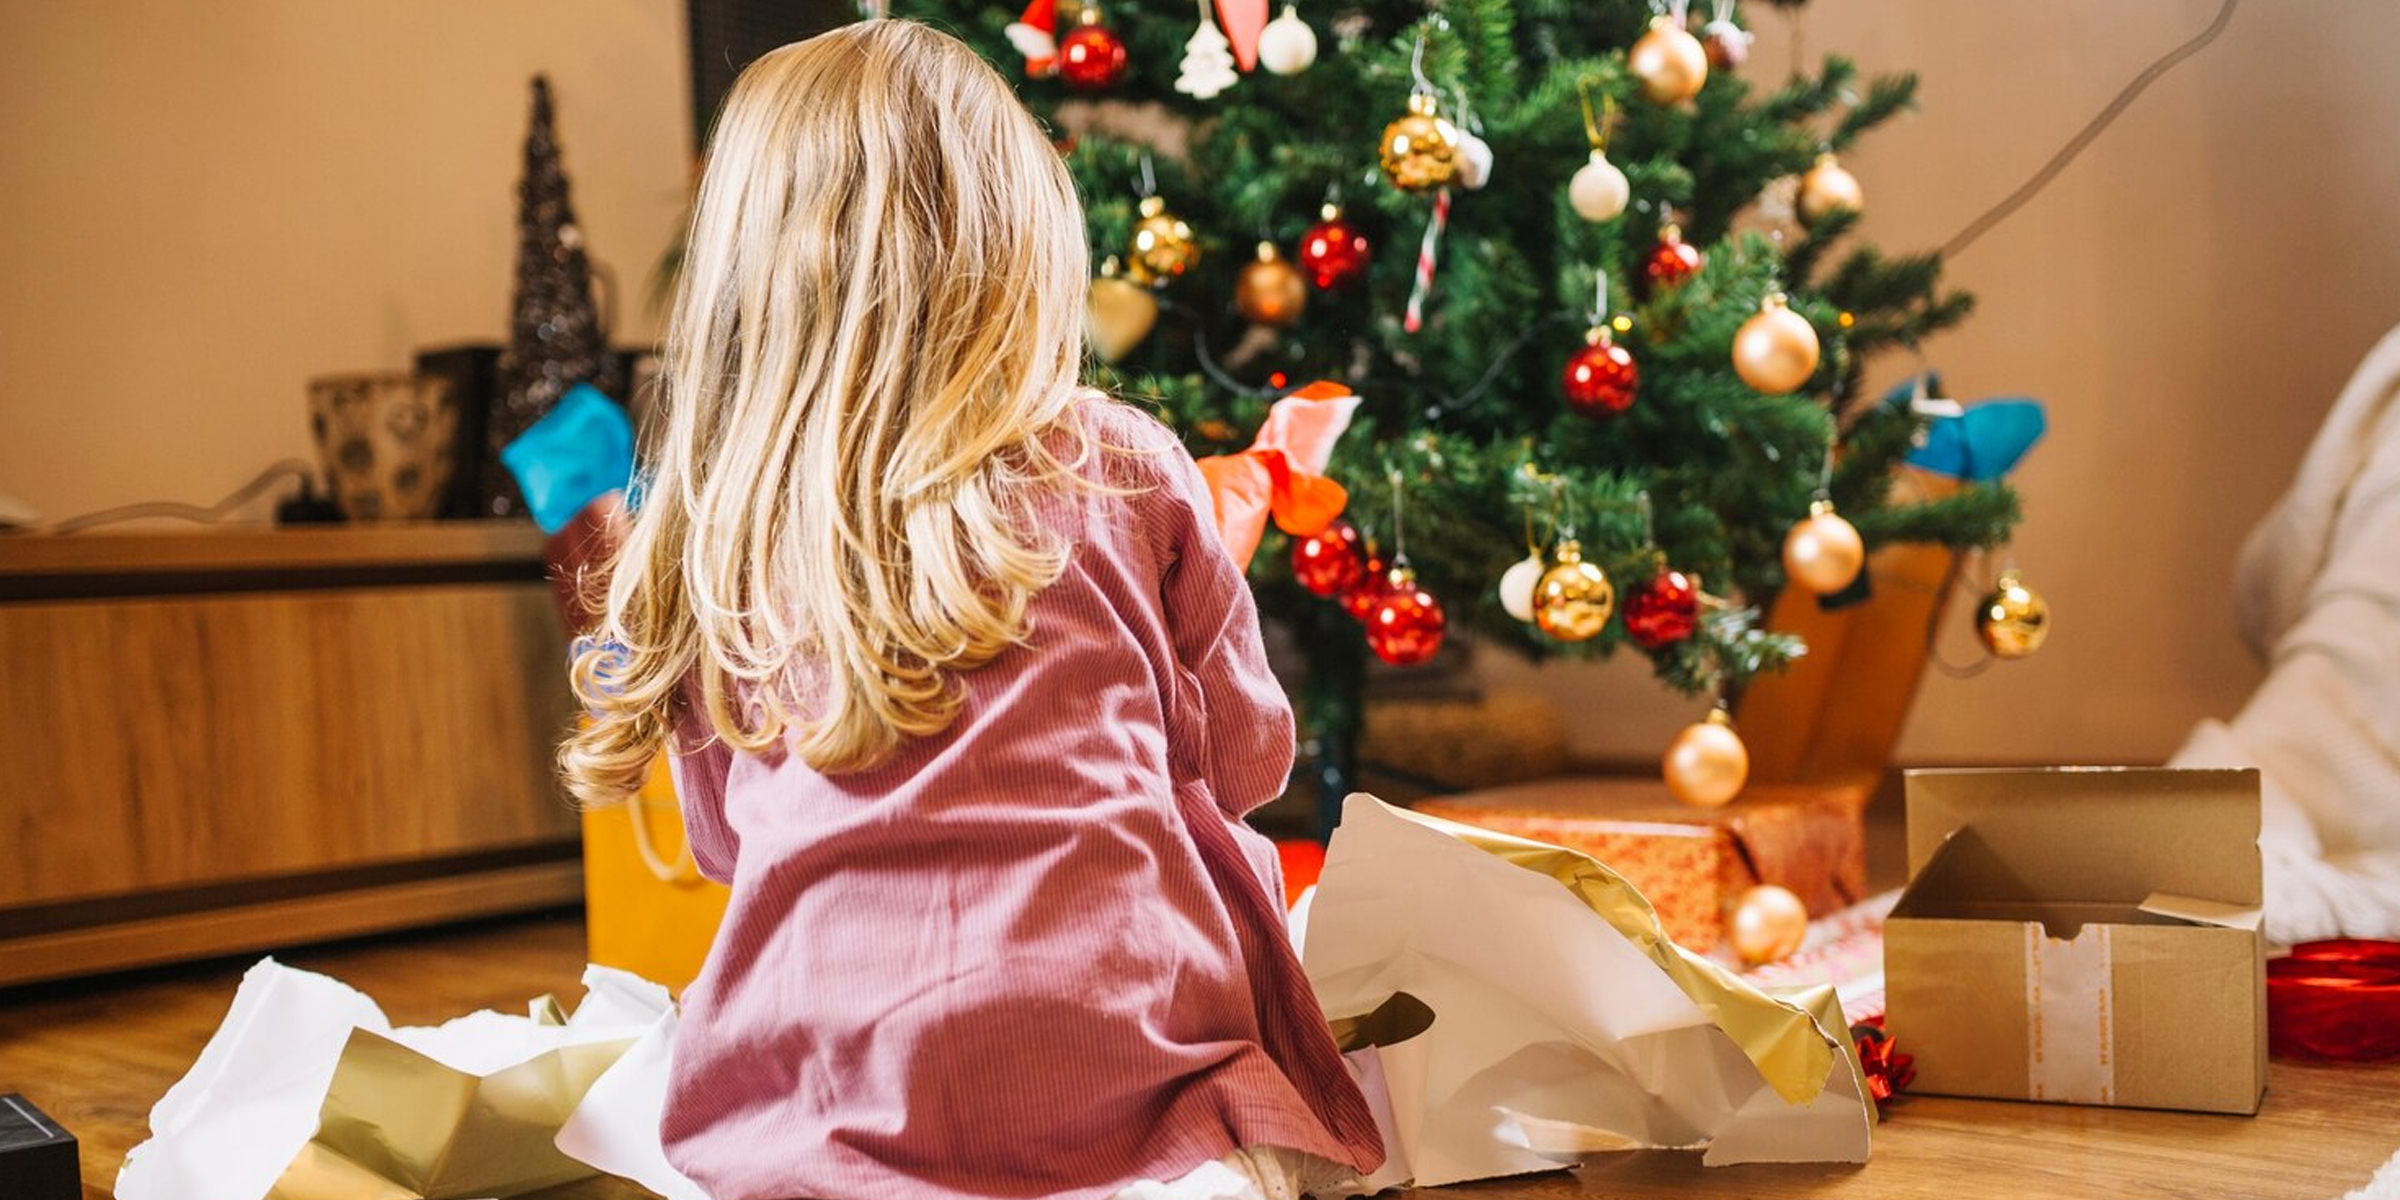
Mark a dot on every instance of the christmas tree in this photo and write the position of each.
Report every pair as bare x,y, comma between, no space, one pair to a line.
1610,290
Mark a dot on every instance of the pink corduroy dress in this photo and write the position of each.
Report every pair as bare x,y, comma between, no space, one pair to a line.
1038,954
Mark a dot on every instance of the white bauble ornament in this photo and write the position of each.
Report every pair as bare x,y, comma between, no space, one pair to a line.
1287,46
1474,161
1517,584
1599,190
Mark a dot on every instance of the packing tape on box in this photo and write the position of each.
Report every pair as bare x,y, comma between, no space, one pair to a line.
2069,1023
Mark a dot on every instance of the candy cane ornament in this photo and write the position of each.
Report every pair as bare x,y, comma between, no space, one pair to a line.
1428,251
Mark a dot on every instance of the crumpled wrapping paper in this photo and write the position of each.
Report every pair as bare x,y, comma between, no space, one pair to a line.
1511,1006
307,1092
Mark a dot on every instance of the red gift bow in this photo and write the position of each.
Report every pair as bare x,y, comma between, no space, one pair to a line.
1283,472
1888,1071
2338,999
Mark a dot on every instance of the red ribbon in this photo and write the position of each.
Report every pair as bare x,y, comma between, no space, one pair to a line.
2337,1000
1282,474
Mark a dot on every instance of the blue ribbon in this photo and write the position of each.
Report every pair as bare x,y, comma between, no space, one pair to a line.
579,451
1982,444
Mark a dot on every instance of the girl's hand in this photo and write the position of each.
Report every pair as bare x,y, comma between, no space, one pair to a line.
578,557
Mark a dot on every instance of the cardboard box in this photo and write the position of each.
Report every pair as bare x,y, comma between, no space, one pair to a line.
1692,864
2083,936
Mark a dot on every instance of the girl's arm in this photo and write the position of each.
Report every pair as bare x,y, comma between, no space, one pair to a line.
700,776
1214,625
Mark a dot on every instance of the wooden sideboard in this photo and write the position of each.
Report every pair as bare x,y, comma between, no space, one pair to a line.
232,740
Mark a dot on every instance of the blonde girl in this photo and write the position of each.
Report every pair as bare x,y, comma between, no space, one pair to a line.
965,698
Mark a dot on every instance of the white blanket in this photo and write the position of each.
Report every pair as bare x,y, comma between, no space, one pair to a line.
2317,593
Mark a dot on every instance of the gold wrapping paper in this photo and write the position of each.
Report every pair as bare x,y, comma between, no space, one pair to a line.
1783,1038
397,1125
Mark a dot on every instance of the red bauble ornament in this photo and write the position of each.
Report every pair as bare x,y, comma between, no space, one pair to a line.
1331,562
1360,599
1674,261
1600,378
1663,611
1406,627
1091,57
1333,252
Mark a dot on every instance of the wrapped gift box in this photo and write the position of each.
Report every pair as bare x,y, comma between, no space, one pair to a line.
1692,864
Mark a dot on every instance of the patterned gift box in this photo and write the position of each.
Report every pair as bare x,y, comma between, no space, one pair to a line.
1692,864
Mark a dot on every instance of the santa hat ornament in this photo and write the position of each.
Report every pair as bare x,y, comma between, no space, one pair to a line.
1035,35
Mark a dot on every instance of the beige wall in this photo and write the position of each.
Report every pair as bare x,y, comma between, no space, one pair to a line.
204,205
201,206
2187,296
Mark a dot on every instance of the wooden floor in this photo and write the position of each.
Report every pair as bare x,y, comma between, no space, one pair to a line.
97,1056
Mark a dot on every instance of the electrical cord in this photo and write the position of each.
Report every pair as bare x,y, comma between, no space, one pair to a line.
233,501
2091,130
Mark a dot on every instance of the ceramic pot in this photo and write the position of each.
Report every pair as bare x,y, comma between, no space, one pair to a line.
388,442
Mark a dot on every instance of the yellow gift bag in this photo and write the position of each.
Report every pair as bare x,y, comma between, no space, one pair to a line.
646,907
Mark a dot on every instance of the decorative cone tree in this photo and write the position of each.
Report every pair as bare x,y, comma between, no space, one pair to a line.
1719,196
556,339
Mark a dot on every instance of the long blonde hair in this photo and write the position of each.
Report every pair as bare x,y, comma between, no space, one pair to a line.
878,324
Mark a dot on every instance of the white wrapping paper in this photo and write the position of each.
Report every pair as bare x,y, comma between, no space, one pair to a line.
306,1090
1554,1033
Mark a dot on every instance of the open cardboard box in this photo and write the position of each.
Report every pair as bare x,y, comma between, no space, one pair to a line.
2083,935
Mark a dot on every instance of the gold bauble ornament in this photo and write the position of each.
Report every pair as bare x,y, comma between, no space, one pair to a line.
1420,150
1775,351
1769,924
1162,247
2013,619
1269,290
1823,553
1574,597
1670,62
1707,764
1827,189
1117,314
